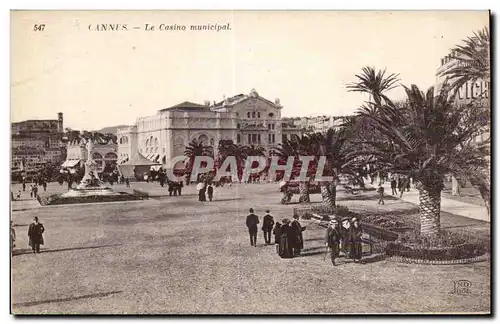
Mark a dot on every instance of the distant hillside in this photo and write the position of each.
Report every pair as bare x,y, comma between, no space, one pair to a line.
110,129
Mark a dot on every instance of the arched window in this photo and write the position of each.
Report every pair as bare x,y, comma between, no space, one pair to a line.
212,141
253,114
156,141
258,114
121,140
248,114
110,156
203,139
156,149
96,156
147,142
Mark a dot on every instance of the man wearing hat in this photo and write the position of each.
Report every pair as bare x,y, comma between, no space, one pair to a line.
332,239
355,233
252,221
344,236
267,227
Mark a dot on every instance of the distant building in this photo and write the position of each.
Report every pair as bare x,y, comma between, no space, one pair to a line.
319,124
246,119
35,143
478,90
104,154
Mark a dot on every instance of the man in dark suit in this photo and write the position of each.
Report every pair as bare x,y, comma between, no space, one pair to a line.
35,232
267,227
252,222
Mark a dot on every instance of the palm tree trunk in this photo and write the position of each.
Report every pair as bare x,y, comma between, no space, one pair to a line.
332,188
304,192
326,195
430,211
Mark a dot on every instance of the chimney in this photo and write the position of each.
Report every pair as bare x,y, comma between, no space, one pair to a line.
60,123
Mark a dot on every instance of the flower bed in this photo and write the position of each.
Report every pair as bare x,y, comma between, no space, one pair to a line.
456,252
57,199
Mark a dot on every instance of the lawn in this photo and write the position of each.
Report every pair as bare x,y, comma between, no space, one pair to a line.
178,255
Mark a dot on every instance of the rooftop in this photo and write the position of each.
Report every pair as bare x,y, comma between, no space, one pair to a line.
186,106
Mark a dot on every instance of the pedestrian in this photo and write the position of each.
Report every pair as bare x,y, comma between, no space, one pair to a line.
355,234
407,184
285,249
127,182
332,240
252,222
12,237
393,187
18,194
210,192
344,237
401,186
297,239
170,187
34,190
35,234
179,187
277,235
267,227
44,184
24,183
380,191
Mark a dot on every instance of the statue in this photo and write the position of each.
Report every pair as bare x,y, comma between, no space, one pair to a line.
91,179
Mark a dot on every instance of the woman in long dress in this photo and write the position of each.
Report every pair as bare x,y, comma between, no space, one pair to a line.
285,248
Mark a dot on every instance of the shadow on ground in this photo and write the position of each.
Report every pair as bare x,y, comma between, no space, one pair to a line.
28,251
60,300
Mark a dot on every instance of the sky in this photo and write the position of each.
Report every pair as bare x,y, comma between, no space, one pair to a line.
304,58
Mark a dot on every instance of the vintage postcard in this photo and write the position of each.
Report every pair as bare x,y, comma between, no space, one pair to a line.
250,162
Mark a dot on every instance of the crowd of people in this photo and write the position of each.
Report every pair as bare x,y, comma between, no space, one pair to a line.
343,238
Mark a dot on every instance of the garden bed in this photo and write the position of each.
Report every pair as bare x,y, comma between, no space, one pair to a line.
449,247
58,199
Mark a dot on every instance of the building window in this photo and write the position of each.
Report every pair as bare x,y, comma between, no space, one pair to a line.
269,138
273,138
272,126
248,114
258,114
253,114
283,137
238,138
254,138
258,138
271,115
238,126
268,126
249,138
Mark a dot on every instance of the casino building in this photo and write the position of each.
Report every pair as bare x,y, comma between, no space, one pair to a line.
246,119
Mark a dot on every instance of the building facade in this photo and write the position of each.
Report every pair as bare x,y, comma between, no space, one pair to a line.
104,154
246,119
35,143
478,91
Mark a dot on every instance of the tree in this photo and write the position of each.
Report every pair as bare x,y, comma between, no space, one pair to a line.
472,60
195,149
302,146
472,63
335,146
375,83
425,139
240,153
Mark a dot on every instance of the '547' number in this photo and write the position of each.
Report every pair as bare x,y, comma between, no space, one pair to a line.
39,27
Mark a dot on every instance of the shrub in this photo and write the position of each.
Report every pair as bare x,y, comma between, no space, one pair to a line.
446,246
338,211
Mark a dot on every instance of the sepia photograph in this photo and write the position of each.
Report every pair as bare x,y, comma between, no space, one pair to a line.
250,162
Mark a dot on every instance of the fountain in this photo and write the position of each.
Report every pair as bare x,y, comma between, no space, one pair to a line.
90,189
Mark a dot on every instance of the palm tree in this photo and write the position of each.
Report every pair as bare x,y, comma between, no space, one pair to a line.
375,83
335,146
472,60
239,152
472,63
195,149
300,147
425,140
